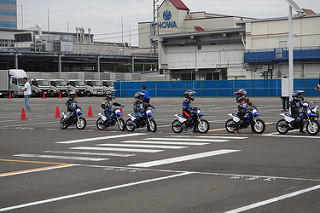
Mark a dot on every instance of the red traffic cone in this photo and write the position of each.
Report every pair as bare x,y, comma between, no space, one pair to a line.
60,96
43,95
10,95
23,115
90,112
76,95
57,113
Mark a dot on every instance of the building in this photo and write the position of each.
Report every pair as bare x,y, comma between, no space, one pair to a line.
8,14
208,46
266,54
196,45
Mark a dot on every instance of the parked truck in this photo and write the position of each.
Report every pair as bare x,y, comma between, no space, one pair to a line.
107,86
78,86
57,86
12,81
94,87
40,86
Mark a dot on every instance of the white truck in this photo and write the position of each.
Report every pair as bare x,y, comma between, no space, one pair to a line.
78,86
40,86
94,87
12,81
107,86
57,86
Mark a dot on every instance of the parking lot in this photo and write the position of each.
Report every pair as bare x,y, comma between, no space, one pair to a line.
46,169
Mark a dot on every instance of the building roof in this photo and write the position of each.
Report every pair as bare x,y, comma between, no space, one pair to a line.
278,18
179,5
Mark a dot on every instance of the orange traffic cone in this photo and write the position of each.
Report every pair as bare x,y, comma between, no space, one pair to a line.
10,95
60,96
23,115
57,113
90,112
43,95
76,95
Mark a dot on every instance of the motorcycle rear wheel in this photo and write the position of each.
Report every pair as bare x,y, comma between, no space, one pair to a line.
282,126
63,124
313,127
81,123
100,123
259,126
176,126
129,125
121,124
203,126
230,126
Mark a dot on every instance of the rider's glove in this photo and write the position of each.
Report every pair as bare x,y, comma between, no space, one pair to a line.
138,109
152,107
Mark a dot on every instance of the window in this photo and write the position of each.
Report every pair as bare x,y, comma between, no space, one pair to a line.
14,81
208,76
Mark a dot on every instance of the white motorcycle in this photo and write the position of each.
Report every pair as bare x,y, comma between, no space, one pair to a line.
147,119
75,119
116,117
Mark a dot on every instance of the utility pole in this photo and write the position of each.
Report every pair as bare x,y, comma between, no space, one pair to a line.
122,35
21,16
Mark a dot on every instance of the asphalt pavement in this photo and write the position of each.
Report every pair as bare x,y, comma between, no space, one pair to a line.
46,169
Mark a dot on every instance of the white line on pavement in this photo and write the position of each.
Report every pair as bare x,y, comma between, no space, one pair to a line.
100,138
116,149
167,142
59,157
185,139
292,136
183,158
275,199
29,124
92,192
91,153
143,146
204,136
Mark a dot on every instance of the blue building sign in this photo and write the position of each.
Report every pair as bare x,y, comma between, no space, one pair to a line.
167,15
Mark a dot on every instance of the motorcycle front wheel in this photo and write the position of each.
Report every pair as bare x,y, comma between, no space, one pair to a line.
259,126
152,125
230,126
81,123
203,126
176,126
313,127
121,124
129,125
282,126
63,124
100,123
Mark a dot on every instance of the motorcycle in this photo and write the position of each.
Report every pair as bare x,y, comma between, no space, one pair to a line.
251,118
314,108
147,119
116,117
309,118
75,119
201,125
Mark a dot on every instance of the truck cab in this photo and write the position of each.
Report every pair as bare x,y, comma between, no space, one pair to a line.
107,86
94,87
78,86
12,81
57,86
40,86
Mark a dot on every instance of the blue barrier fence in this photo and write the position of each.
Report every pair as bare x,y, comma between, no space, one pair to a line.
221,88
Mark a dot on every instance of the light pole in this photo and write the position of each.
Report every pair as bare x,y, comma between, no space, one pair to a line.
292,4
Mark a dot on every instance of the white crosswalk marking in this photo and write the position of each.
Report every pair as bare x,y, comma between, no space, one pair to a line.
143,146
167,142
116,149
186,139
60,157
213,137
92,153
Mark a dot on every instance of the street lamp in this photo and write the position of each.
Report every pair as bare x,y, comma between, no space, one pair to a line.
293,5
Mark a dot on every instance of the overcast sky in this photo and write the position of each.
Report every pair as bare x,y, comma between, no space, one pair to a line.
104,16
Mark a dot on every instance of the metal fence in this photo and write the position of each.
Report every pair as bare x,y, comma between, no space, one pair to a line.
221,88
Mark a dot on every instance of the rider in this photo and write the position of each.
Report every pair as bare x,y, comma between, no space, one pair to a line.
71,104
145,91
243,102
295,105
187,109
107,106
139,106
